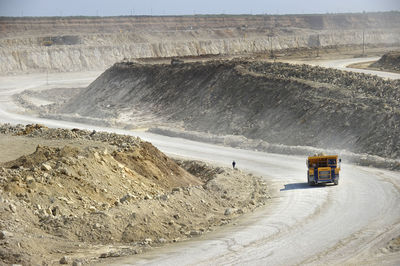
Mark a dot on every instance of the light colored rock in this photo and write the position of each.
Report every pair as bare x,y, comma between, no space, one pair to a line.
5,234
29,179
229,211
96,155
162,240
45,167
76,263
195,233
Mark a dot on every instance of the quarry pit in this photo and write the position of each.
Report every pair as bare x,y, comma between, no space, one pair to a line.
93,196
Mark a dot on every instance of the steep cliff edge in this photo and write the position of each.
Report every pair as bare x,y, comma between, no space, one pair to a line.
278,103
75,44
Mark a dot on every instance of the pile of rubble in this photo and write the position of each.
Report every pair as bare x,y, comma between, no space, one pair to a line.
357,84
37,130
82,202
389,62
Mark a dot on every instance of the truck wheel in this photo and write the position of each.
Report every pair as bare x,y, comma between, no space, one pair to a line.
336,181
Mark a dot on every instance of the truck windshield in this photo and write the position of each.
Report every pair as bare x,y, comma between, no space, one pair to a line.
322,162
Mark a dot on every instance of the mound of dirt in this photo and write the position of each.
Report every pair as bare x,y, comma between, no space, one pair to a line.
275,102
76,199
389,62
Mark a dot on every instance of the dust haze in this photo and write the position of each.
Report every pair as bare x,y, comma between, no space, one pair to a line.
264,90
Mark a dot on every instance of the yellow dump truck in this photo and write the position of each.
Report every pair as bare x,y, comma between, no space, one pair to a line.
323,169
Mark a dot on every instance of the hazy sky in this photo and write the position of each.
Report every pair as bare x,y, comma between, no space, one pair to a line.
188,7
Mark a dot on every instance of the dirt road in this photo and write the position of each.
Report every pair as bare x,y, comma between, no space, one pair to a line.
342,64
346,224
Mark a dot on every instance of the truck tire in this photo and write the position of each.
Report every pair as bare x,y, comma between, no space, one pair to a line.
336,182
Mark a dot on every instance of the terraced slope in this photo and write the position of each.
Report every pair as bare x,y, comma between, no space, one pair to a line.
91,43
278,103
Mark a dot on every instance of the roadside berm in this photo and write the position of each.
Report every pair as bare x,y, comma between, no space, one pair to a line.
75,196
388,62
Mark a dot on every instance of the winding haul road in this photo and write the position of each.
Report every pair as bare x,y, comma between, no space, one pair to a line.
346,224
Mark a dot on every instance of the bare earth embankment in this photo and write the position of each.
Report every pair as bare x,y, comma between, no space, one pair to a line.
262,102
79,196
388,62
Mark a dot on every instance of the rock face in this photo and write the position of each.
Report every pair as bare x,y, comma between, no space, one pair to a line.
278,103
75,44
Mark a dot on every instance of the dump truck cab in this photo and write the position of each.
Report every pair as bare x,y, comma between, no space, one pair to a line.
323,169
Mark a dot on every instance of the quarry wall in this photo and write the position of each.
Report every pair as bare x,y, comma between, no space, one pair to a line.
76,44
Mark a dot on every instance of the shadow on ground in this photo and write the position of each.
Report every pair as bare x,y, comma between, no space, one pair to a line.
292,186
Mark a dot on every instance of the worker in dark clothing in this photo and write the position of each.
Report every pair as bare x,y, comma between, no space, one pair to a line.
233,164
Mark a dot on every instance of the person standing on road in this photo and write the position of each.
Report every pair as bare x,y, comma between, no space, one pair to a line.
233,164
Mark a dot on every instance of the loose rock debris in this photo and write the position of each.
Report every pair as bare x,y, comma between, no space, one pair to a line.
77,198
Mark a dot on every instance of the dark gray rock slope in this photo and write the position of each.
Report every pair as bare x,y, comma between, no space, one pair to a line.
279,103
